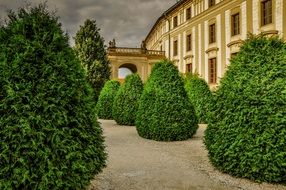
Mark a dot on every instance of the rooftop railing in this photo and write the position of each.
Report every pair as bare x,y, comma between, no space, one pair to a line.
134,51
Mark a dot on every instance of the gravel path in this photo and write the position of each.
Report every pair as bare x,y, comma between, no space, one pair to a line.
140,164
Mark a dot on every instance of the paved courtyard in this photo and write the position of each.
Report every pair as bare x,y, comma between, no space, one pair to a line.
136,163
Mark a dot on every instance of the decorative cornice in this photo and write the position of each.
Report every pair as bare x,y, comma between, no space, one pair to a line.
188,56
175,60
212,49
234,42
270,32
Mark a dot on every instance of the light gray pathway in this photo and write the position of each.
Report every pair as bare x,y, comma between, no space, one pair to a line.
137,163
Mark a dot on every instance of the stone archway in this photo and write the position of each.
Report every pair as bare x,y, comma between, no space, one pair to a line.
133,60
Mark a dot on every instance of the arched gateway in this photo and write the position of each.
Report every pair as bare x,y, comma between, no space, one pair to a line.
125,61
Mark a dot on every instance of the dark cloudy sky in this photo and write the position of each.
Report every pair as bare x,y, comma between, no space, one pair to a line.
128,21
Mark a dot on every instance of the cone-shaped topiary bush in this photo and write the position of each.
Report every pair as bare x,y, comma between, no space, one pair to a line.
49,135
106,99
246,136
200,95
126,101
165,112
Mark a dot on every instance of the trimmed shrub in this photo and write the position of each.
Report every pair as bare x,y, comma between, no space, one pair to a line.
106,99
126,101
200,96
246,136
165,112
49,135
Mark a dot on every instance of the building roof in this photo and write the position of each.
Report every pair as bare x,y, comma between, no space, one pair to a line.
168,11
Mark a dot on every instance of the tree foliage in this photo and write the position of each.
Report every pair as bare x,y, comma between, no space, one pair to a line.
165,112
126,101
106,99
90,49
200,96
49,135
246,136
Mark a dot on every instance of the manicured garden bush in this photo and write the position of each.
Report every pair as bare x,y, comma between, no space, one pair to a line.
106,99
49,135
126,100
165,112
246,136
200,96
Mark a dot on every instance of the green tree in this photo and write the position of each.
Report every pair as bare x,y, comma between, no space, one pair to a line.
90,49
49,135
246,134
200,96
106,99
126,100
165,112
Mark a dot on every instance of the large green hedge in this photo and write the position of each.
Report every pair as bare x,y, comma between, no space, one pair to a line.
126,101
246,136
200,96
106,99
49,135
165,112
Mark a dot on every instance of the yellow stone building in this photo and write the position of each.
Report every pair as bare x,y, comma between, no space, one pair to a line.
202,35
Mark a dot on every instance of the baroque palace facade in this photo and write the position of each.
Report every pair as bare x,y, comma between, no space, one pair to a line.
202,35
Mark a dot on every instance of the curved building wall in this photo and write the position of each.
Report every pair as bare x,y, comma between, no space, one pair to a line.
202,35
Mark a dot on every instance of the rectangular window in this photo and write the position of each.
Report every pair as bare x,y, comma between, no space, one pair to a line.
266,12
189,42
212,36
211,3
212,71
175,48
188,13
189,68
175,21
235,30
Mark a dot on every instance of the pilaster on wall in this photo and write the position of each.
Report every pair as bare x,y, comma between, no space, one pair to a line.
167,48
227,36
193,10
284,18
199,49
171,48
167,26
180,63
279,16
219,57
194,45
183,52
255,16
203,54
206,4
244,20
206,36
223,45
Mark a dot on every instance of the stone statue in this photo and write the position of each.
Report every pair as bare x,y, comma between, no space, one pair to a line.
112,44
143,46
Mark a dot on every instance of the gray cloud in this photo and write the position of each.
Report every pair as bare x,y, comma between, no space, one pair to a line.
128,21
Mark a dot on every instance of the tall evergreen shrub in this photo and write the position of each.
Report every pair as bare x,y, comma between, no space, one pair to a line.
126,101
49,135
106,99
200,96
246,136
165,112
91,51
